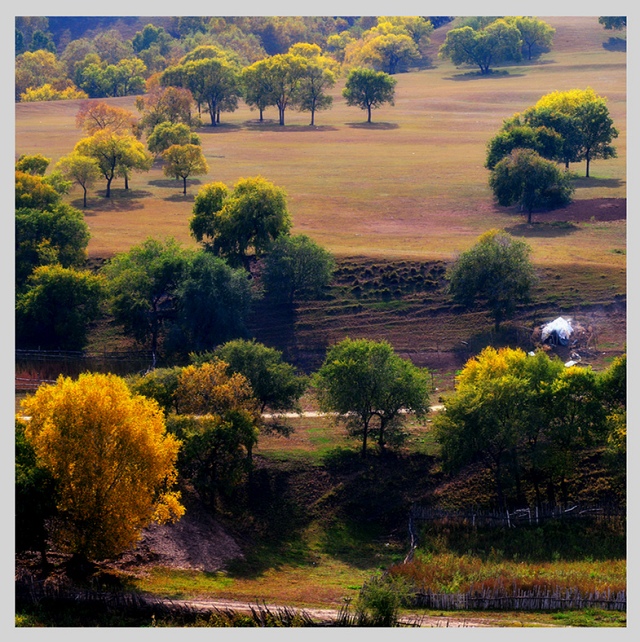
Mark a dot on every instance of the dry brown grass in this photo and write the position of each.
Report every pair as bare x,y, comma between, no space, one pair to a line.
411,184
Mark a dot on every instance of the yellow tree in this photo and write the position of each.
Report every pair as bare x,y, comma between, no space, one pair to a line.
111,458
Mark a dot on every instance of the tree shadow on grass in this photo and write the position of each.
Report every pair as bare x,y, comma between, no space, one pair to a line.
121,200
273,126
615,44
476,75
166,182
378,125
583,181
220,128
180,198
551,229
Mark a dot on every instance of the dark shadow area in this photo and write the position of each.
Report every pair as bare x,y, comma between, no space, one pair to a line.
542,230
373,125
615,44
180,198
583,181
476,75
221,128
166,182
121,200
273,126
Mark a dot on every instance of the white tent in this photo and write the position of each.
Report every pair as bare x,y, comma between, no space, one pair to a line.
557,331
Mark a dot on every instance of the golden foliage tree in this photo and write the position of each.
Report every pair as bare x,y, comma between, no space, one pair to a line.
112,460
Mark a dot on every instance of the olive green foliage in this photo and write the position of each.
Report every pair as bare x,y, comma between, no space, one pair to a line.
182,161
369,89
537,35
189,298
496,272
526,179
613,22
547,142
525,416
57,307
380,600
166,133
296,268
159,384
35,164
46,237
35,192
275,383
243,222
371,388
495,43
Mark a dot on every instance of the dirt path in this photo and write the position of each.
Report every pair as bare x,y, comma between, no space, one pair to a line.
327,615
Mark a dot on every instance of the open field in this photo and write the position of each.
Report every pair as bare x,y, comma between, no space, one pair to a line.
412,184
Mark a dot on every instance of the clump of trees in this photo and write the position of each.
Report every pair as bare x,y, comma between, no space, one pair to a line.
527,417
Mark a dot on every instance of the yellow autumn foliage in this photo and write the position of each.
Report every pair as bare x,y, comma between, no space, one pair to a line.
112,459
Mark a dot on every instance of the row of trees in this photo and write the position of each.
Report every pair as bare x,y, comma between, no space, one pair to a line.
528,417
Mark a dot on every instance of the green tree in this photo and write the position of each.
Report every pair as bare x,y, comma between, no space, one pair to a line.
84,170
274,382
35,164
495,411
57,307
390,52
498,42
284,73
166,133
582,118
372,389
159,384
111,459
36,68
149,36
537,35
547,142
613,22
257,89
526,179
310,94
495,271
369,89
46,237
141,288
296,267
246,220
213,82
212,303
182,161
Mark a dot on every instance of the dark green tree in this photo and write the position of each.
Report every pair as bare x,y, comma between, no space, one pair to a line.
526,179
369,89
296,268
159,384
496,271
57,307
47,237
372,389
166,133
613,22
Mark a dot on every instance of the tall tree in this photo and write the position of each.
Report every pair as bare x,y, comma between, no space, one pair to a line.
371,388
111,458
310,94
369,89
182,161
536,35
496,271
257,89
284,73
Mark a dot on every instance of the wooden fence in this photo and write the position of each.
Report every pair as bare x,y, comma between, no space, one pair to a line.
539,599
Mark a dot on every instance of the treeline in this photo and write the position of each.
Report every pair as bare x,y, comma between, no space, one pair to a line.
103,62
